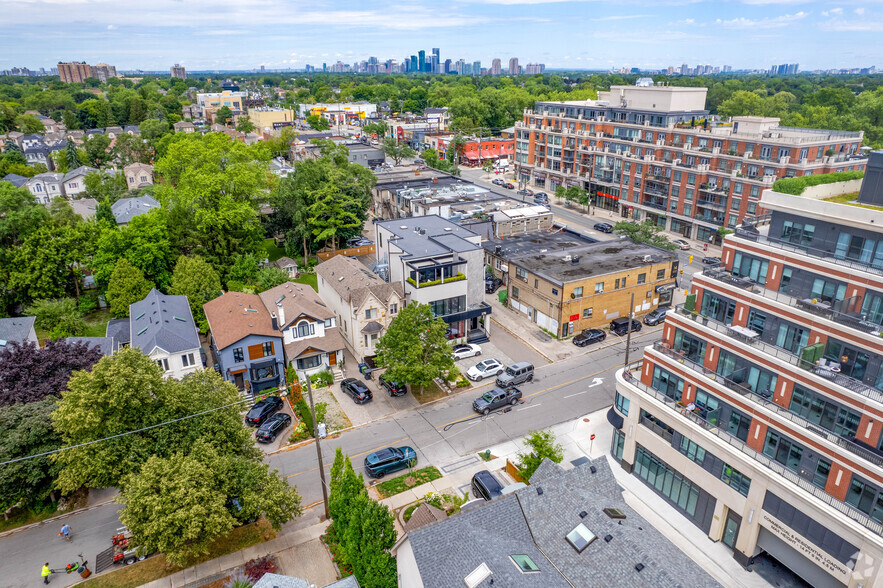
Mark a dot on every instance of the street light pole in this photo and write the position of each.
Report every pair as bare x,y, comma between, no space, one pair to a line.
319,448
628,337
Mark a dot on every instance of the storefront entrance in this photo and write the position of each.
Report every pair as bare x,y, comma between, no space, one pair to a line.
731,529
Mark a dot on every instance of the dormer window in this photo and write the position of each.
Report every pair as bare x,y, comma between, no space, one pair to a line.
305,329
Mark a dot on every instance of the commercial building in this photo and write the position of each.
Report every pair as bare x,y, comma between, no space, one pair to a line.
565,282
339,112
73,72
758,415
210,102
439,263
651,153
271,118
178,71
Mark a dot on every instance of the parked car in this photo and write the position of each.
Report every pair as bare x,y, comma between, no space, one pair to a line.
498,182
484,369
515,374
683,245
274,425
525,193
496,398
389,460
656,316
258,413
541,198
711,261
466,350
509,186
486,486
394,388
359,242
588,337
603,227
491,285
357,390
620,326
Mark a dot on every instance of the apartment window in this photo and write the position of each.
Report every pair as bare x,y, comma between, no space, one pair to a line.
238,355
752,208
393,309
739,425
692,450
268,348
736,479
521,274
735,204
370,313
672,484
622,403
187,359
578,292
677,176
818,410
616,284
798,233
670,385
783,450
688,209
823,468
163,363
688,195
866,498
737,188
642,278
599,287
515,292
691,179
660,274
536,283
587,312
755,191
785,281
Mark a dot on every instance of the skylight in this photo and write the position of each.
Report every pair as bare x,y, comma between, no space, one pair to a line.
177,318
580,537
139,316
614,513
141,332
478,575
524,563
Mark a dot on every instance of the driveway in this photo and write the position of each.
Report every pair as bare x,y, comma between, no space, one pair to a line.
282,437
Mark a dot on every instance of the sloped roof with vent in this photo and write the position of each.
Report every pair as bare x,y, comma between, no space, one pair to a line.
164,322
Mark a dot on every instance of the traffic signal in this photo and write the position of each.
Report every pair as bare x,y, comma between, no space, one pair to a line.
691,259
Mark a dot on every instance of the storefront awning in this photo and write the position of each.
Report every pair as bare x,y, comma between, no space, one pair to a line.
666,288
614,419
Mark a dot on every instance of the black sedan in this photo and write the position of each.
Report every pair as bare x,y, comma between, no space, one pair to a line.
394,388
509,186
274,425
359,391
261,410
603,227
711,261
588,337
491,285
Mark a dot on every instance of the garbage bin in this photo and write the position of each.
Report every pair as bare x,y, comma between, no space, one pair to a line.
320,429
363,367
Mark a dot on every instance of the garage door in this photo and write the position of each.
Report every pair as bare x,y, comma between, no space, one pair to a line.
796,562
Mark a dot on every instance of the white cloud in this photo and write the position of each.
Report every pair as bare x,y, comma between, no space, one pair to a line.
763,23
833,12
111,27
859,11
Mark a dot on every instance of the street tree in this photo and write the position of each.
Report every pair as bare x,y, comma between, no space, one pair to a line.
646,232
487,166
379,128
199,282
415,347
541,445
223,115
317,123
29,373
244,125
127,286
26,429
397,151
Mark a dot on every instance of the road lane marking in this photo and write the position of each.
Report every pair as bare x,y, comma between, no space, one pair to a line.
577,394
527,407
328,465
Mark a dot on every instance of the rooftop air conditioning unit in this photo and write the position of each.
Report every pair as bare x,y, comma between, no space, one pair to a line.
567,258
648,258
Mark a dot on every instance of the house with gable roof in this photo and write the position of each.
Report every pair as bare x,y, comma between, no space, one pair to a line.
75,180
363,304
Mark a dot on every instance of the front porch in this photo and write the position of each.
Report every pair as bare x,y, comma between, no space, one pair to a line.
472,326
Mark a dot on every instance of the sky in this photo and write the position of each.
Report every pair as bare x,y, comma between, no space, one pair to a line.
573,34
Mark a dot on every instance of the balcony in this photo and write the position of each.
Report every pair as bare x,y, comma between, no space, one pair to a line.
654,204
749,229
656,192
710,219
712,204
736,443
851,384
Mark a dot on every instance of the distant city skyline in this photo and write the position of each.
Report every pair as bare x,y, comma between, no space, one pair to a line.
247,34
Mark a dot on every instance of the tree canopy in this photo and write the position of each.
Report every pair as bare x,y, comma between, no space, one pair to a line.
415,347
540,445
645,232
30,374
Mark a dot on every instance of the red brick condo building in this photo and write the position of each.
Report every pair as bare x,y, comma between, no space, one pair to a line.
650,152
759,415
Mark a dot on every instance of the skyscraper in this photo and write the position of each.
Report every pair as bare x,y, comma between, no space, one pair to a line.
476,68
421,60
447,68
514,69
435,61
414,64
496,69
179,71
104,72
74,71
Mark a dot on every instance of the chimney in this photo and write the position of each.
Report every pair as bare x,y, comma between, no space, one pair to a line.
275,323
280,310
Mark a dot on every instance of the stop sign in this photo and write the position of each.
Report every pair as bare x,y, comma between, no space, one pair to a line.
592,438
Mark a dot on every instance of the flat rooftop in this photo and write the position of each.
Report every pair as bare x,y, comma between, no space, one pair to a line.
545,254
424,236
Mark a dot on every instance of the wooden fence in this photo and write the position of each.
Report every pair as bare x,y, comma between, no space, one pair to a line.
357,251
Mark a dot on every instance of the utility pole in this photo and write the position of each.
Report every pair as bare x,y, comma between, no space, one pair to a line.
628,344
319,449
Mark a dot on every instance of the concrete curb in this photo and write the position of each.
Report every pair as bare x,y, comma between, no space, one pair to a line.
58,518
520,338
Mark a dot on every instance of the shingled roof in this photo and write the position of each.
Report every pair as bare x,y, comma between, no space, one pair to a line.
353,282
163,321
234,316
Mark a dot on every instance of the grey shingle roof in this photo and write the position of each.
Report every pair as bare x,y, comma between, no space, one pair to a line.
447,551
105,344
16,329
162,321
15,179
83,170
357,281
118,330
125,209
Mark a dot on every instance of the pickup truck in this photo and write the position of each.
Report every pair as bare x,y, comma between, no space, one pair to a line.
496,398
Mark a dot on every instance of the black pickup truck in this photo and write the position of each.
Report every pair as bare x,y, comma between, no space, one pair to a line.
496,398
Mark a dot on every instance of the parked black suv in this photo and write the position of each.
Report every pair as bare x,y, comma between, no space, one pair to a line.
496,398
486,486
394,388
491,285
620,326
359,391
274,425
262,409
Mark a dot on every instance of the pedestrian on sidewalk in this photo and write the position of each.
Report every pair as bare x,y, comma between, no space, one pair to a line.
45,573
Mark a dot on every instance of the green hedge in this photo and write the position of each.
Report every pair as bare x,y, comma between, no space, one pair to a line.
454,278
796,186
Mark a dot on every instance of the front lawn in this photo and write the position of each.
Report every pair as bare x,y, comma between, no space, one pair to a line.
428,394
407,481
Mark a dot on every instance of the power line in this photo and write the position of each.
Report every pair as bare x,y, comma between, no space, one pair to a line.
44,454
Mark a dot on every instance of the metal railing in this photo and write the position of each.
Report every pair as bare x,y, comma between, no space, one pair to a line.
748,230
842,380
776,467
713,204
765,401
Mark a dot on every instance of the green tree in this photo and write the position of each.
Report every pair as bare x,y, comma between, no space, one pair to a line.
105,187
180,504
333,214
415,347
127,285
26,429
244,125
370,534
269,277
742,103
62,213
131,149
97,148
488,166
199,282
60,318
541,445
28,124
20,216
645,232
72,158
397,151
318,123
153,129
223,115
379,128
144,242
244,269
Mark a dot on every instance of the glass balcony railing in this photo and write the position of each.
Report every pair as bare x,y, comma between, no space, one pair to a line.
671,407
